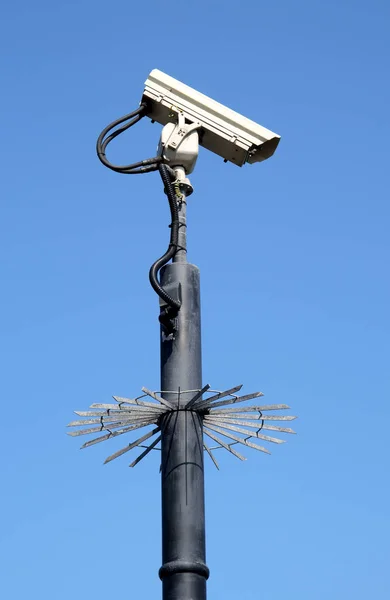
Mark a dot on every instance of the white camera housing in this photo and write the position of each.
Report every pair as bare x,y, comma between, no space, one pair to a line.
221,130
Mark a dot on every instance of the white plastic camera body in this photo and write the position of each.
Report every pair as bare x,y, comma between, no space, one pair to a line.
221,130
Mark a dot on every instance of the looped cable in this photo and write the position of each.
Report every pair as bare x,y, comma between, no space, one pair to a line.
146,166
143,166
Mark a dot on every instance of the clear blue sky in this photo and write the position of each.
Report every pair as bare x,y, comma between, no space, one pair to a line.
294,257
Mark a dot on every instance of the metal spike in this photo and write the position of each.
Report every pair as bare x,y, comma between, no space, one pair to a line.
255,434
252,424
197,396
113,419
137,402
84,422
148,449
107,420
252,408
117,413
238,439
131,446
235,400
133,414
85,431
247,409
278,418
264,417
124,414
277,428
157,397
258,416
233,390
89,413
106,426
106,406
205,446
121,408
235,415
222,444
110,434
142,410
94,421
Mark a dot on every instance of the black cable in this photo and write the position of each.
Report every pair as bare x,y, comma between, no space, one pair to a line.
146,166
173,243
136,114
143,166
113,135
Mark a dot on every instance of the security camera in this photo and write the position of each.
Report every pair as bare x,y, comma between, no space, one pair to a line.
221,130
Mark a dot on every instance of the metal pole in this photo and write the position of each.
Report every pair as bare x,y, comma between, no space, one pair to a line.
184,571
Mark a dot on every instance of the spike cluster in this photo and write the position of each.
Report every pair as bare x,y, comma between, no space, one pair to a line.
229,421
128,415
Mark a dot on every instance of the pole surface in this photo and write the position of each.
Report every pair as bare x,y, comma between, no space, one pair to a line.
184,571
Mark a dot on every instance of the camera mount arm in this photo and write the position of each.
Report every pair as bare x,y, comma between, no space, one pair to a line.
179,143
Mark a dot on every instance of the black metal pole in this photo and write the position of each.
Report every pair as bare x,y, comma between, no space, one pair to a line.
184,571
